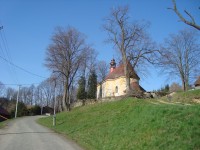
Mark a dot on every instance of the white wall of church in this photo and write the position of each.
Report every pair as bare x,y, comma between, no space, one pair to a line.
112,87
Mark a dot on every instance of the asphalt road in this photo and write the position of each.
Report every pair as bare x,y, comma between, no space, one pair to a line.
25,134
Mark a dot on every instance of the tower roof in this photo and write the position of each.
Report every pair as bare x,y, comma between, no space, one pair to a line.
119,71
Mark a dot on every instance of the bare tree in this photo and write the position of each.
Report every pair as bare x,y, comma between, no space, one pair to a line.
180,56
89,64
31,89
65,56
127,37
142,54
27,95
37,95
47,88
11,93
2,88
190,22
174,87
102,70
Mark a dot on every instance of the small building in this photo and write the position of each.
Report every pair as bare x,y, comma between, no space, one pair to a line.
197,83
47,110
4,115
115,82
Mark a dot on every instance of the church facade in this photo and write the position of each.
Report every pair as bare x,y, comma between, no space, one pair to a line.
115,82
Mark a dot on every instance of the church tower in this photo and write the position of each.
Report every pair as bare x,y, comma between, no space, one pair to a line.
112,65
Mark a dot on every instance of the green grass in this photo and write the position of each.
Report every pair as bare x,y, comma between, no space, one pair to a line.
131,124
3,124
186,97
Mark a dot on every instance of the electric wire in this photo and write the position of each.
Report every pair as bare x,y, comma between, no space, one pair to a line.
6,54
21,68
7,57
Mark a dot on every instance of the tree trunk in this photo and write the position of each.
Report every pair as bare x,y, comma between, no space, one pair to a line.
60,107
183,85
68,100
64,98
126,72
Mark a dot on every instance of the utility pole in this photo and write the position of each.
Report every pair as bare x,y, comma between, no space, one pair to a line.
41,100
54,109
17,101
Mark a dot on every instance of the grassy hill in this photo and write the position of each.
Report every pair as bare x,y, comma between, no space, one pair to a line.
192,96
131,124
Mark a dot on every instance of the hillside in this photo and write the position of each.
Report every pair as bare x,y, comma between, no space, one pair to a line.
192,96
131,124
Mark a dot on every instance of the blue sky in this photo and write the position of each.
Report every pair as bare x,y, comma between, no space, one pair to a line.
29,25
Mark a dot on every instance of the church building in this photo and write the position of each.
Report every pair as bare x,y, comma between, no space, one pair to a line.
115,82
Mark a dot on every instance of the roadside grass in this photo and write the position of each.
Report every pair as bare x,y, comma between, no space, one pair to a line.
3,124
131,124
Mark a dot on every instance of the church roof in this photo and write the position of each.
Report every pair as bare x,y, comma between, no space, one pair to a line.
119,71
137,87
197,82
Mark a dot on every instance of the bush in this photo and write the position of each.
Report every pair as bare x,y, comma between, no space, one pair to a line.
35,110
21,110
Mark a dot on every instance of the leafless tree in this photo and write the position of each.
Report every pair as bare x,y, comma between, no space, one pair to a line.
47,89
88,64
102,70
38,95
31,89
65,56
142,54
2,89
190,22
174,87
11,93
126,37
27,95
180,56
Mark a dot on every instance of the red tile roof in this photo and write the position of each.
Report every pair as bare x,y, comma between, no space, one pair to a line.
119,71
197,82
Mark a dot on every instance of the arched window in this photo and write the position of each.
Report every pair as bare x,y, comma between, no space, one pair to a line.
116,89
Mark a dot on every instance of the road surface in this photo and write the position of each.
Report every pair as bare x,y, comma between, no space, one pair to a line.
25,134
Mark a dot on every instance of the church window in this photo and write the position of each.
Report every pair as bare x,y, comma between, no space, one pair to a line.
116,89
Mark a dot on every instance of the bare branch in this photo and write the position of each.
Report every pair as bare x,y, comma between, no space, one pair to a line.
190,23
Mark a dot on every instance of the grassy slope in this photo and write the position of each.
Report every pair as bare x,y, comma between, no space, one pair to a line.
131,124
184,97
187,96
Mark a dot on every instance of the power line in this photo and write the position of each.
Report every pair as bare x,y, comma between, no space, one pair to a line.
21,68
7,58
6,54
